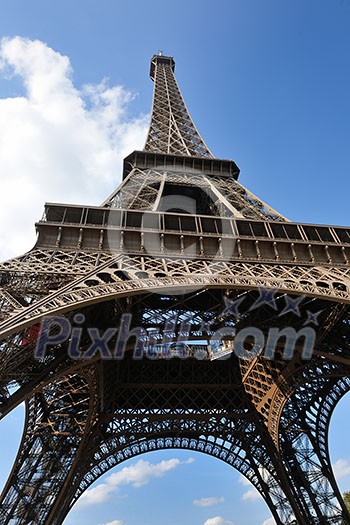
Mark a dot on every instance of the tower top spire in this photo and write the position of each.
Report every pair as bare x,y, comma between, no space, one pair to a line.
171,130
161,59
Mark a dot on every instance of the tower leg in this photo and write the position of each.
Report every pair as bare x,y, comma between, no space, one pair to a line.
304,450
56,420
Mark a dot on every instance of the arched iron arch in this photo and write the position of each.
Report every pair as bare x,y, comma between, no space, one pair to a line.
268,488
238,275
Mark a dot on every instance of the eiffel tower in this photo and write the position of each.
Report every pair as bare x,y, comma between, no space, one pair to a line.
182,313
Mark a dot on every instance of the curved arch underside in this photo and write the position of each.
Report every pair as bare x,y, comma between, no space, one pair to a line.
134,276
267,418
238,436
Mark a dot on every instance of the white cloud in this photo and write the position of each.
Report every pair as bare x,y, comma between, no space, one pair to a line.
218,520
58,143
137,475
270,521
252,493
208,502
341,468
244,481
114,522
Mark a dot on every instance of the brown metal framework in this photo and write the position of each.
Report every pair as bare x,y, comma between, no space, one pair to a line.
171,129
179,241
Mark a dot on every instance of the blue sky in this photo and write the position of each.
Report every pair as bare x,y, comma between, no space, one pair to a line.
267,84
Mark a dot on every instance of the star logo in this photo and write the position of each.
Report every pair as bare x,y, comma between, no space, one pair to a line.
265,297
292,305
205,326
232,307
312,317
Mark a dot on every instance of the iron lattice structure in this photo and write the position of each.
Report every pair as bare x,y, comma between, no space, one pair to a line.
185,251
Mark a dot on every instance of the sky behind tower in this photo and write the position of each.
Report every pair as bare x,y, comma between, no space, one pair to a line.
267,84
